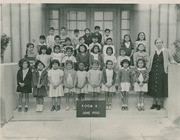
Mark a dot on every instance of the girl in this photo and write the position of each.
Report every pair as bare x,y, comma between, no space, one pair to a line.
69,81
43,56
82,81
122,56
141,38
55,76
107,34
141,77
141,53
124,81
128,46
94,79
108,80
96,55
108,44
30,55
40,81
24,79
110,56
57,54
83,56
81,42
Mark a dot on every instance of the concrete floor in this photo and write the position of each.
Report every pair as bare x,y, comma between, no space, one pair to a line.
118,125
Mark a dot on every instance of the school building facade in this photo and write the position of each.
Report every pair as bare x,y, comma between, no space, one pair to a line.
25,22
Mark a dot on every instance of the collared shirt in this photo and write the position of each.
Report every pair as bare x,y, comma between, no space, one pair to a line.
159,51
127,44
25,73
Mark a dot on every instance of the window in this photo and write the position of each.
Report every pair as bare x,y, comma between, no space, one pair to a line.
54,20
76,20
104,19
125,23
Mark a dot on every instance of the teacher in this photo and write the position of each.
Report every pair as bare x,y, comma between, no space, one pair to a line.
158,76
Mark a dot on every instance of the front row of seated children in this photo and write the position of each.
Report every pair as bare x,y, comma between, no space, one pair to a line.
71,83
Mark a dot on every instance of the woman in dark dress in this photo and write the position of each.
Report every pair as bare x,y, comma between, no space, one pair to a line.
158,76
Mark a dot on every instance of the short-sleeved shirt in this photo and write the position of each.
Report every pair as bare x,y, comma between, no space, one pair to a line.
55,75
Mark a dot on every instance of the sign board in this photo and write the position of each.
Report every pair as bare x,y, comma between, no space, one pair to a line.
91,109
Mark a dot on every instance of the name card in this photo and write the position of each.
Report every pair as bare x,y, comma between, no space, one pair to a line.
91,109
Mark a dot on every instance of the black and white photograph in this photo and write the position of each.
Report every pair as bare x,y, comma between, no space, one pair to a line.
87,70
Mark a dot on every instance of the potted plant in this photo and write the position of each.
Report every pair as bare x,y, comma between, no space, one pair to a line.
4,44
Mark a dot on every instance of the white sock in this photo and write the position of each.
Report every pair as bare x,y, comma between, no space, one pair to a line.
139,104
142,104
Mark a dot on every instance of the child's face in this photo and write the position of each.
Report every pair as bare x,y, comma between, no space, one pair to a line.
109,65
109,42
40,67
87,32
95,66
125,65
68,43
69,52
25,65
82,41
140,64
51,32
141,36
43,51
76,34
97,30
81,66
63,31
109,51
42,41
141,47
57,40
82,49
127,39
122,53
96,50
69,66
57,50
95,40
31,48
107,33
55,66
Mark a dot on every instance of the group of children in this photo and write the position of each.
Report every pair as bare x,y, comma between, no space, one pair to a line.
81,65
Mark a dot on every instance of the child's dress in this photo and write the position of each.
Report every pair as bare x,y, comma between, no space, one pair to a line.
81,79
55,76
58,56
40,78
98,57
24,76
105,49
83,59
120,59
94,76
45,59
141,76
70,77
125,79
108,77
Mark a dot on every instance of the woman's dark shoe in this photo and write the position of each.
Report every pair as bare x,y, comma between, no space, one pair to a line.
19,109
25,109
122,108
158,107
58,108
142,108
139,108
126,108
53,108
153,106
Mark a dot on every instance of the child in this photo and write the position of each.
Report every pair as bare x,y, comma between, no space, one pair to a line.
107,35
83,57
127,45
57,40
30,55
50,40
55,77
42,41
75,39
98,34
122,57
57,54
96,55
82,81
95,42
40,81
43,56
68,43
24,79
81,42
70,77
141,53
94,79
124,81
108,44
176,55
110,56
108,80
141,38
63,34
141,77
69,56
87,36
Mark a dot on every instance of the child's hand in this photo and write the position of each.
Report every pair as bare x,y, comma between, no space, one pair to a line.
39,86
22,84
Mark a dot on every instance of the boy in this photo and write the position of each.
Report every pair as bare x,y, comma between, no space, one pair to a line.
87,36
75,40
63,34
98,34
107,35
50,40
95,42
